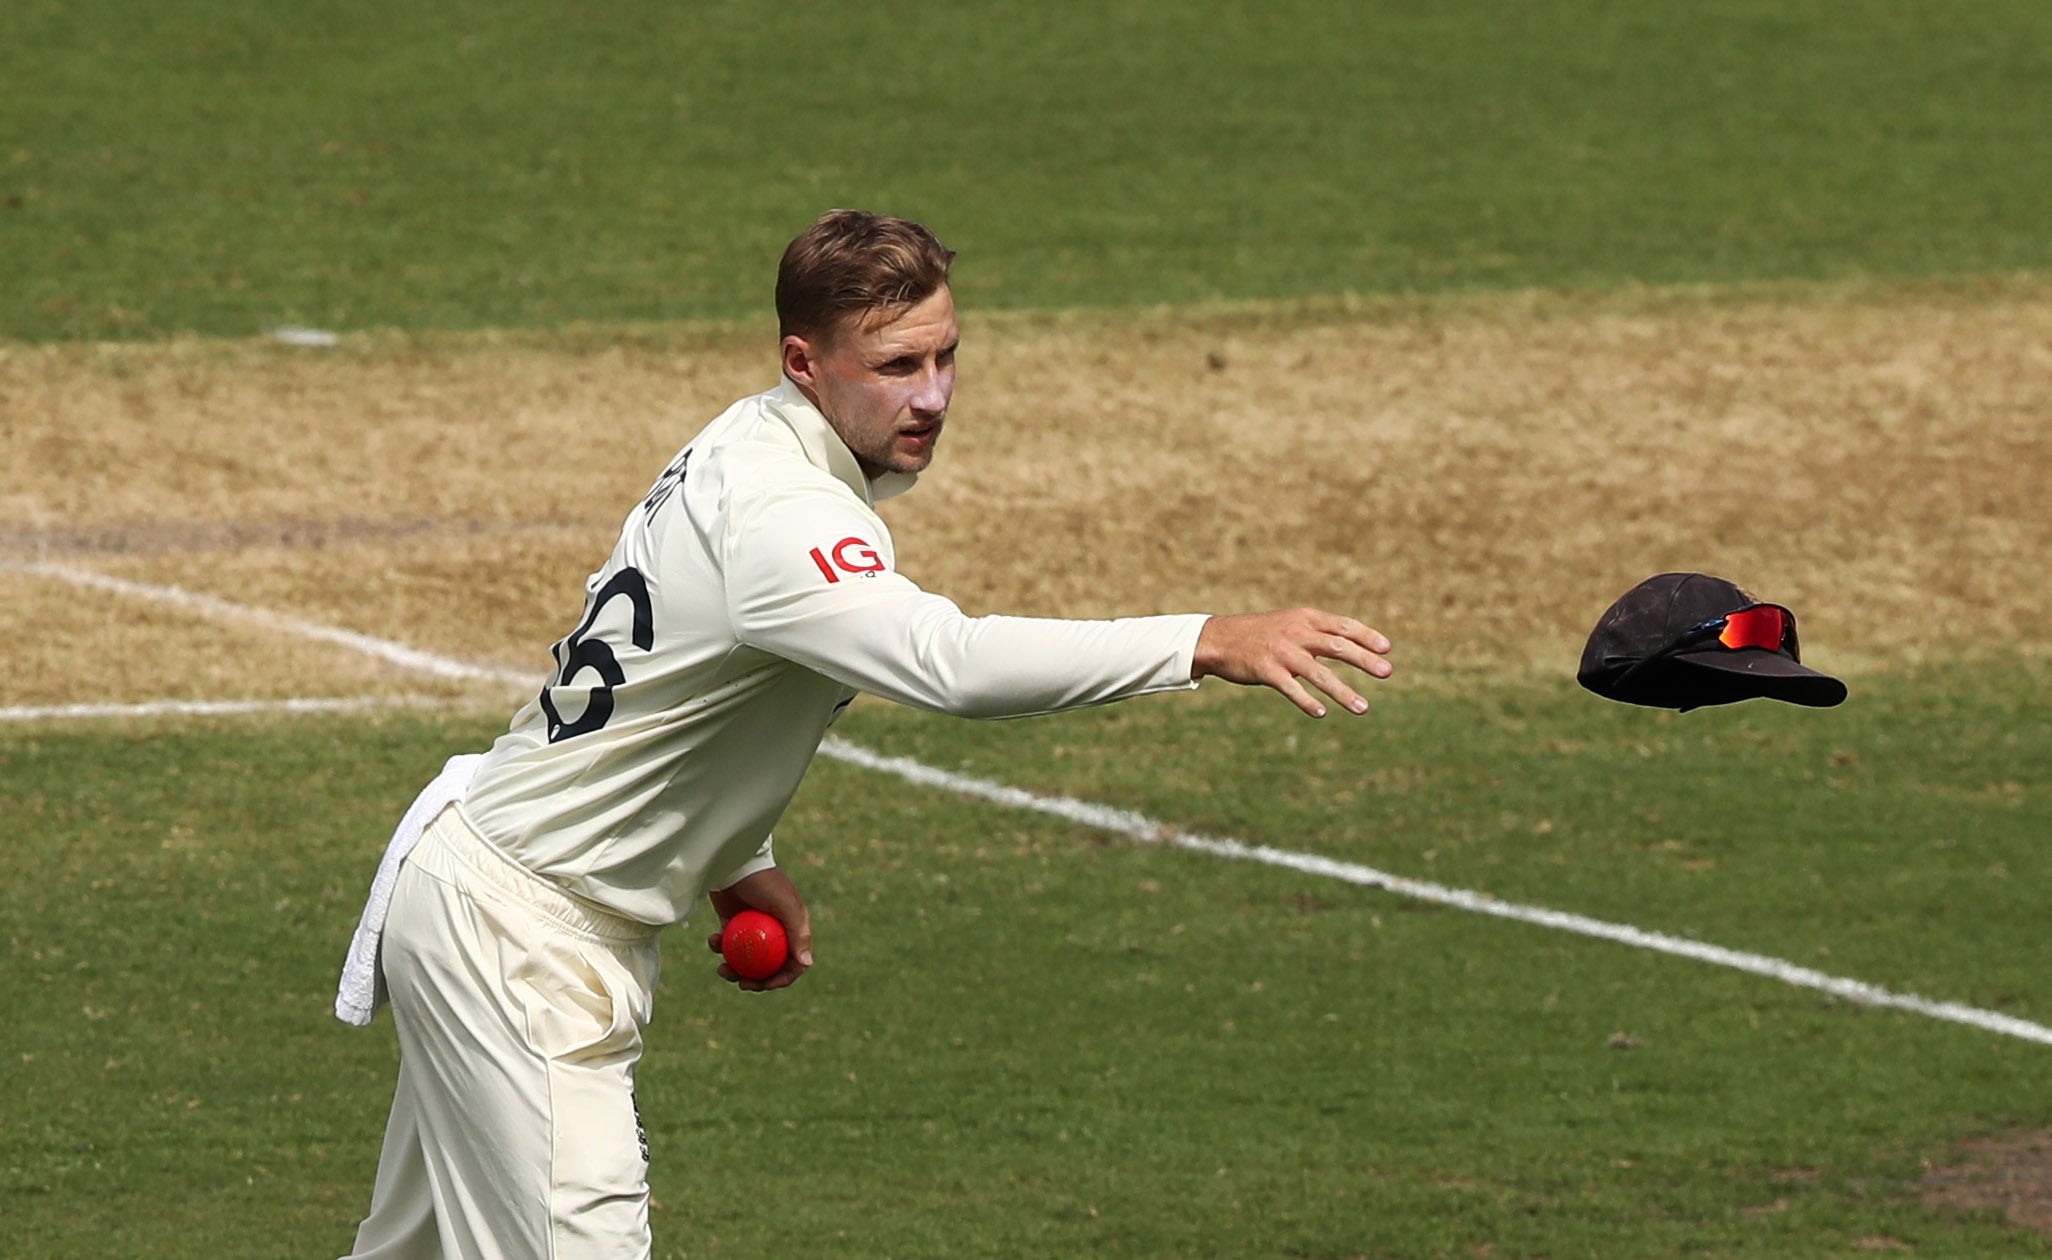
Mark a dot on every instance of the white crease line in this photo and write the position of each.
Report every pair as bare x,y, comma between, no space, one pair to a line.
1140,827
209,708
383,649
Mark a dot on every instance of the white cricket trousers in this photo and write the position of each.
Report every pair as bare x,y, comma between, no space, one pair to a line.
513,1133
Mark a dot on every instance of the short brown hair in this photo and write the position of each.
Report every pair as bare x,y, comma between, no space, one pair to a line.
854,263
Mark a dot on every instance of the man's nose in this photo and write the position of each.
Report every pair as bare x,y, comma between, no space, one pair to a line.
934,390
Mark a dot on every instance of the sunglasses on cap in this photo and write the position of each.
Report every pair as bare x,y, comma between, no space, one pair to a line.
1768,626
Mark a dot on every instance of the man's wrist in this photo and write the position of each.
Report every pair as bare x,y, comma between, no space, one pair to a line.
1204,652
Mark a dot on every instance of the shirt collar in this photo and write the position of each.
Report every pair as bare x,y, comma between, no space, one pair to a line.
824,448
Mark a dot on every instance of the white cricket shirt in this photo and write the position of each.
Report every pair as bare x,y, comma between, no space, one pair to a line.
751,594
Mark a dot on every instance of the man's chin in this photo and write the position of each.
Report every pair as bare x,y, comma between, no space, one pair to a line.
912,461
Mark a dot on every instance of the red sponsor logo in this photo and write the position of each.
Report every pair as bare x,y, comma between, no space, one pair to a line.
850,555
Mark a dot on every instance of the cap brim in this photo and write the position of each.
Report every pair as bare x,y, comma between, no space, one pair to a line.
1745,673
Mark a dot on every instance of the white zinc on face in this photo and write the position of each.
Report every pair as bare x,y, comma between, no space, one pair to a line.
885,388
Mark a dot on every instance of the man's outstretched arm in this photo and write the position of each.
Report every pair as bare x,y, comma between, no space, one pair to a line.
873,629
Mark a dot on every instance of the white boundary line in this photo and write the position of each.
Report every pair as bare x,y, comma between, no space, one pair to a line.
1140,827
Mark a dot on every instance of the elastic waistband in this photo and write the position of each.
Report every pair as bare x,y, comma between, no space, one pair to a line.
454,831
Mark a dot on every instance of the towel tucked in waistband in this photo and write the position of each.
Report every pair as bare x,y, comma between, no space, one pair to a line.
362,990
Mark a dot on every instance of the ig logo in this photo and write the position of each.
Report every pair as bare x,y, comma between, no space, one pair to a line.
850,555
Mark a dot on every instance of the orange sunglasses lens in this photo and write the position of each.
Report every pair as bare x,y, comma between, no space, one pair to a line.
1761,626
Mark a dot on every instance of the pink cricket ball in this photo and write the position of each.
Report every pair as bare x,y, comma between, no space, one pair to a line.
755,945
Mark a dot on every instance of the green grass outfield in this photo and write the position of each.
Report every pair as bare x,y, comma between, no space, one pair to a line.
1024,1040
227,167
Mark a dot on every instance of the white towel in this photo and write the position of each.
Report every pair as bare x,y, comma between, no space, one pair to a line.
362,990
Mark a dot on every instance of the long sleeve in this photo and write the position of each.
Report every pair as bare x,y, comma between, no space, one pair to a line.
809,579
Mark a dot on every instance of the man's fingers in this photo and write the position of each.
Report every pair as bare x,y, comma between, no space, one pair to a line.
1287,683
1365,635
1337,648
799,960
1285,650
1329,683
1368,637
1309,669
784,977
1356,644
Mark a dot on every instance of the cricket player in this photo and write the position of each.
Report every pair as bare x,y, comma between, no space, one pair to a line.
752,594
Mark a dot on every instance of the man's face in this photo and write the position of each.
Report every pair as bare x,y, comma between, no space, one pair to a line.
885,389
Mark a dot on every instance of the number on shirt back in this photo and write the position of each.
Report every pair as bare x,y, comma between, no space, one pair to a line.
580,653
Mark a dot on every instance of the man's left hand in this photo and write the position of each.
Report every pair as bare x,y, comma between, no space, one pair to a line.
1287,649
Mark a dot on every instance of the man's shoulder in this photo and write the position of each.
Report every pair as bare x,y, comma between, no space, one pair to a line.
751,453
754,464
754,440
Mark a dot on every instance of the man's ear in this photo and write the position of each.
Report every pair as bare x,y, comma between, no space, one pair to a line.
801,362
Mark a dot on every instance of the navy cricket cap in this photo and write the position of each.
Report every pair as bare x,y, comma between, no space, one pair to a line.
1686,640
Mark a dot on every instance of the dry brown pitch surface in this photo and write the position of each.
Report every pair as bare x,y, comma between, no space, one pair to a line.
1478,477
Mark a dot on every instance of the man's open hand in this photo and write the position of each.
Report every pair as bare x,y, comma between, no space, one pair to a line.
1287,649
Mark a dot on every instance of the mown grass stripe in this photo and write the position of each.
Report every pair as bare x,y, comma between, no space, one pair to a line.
1139,827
